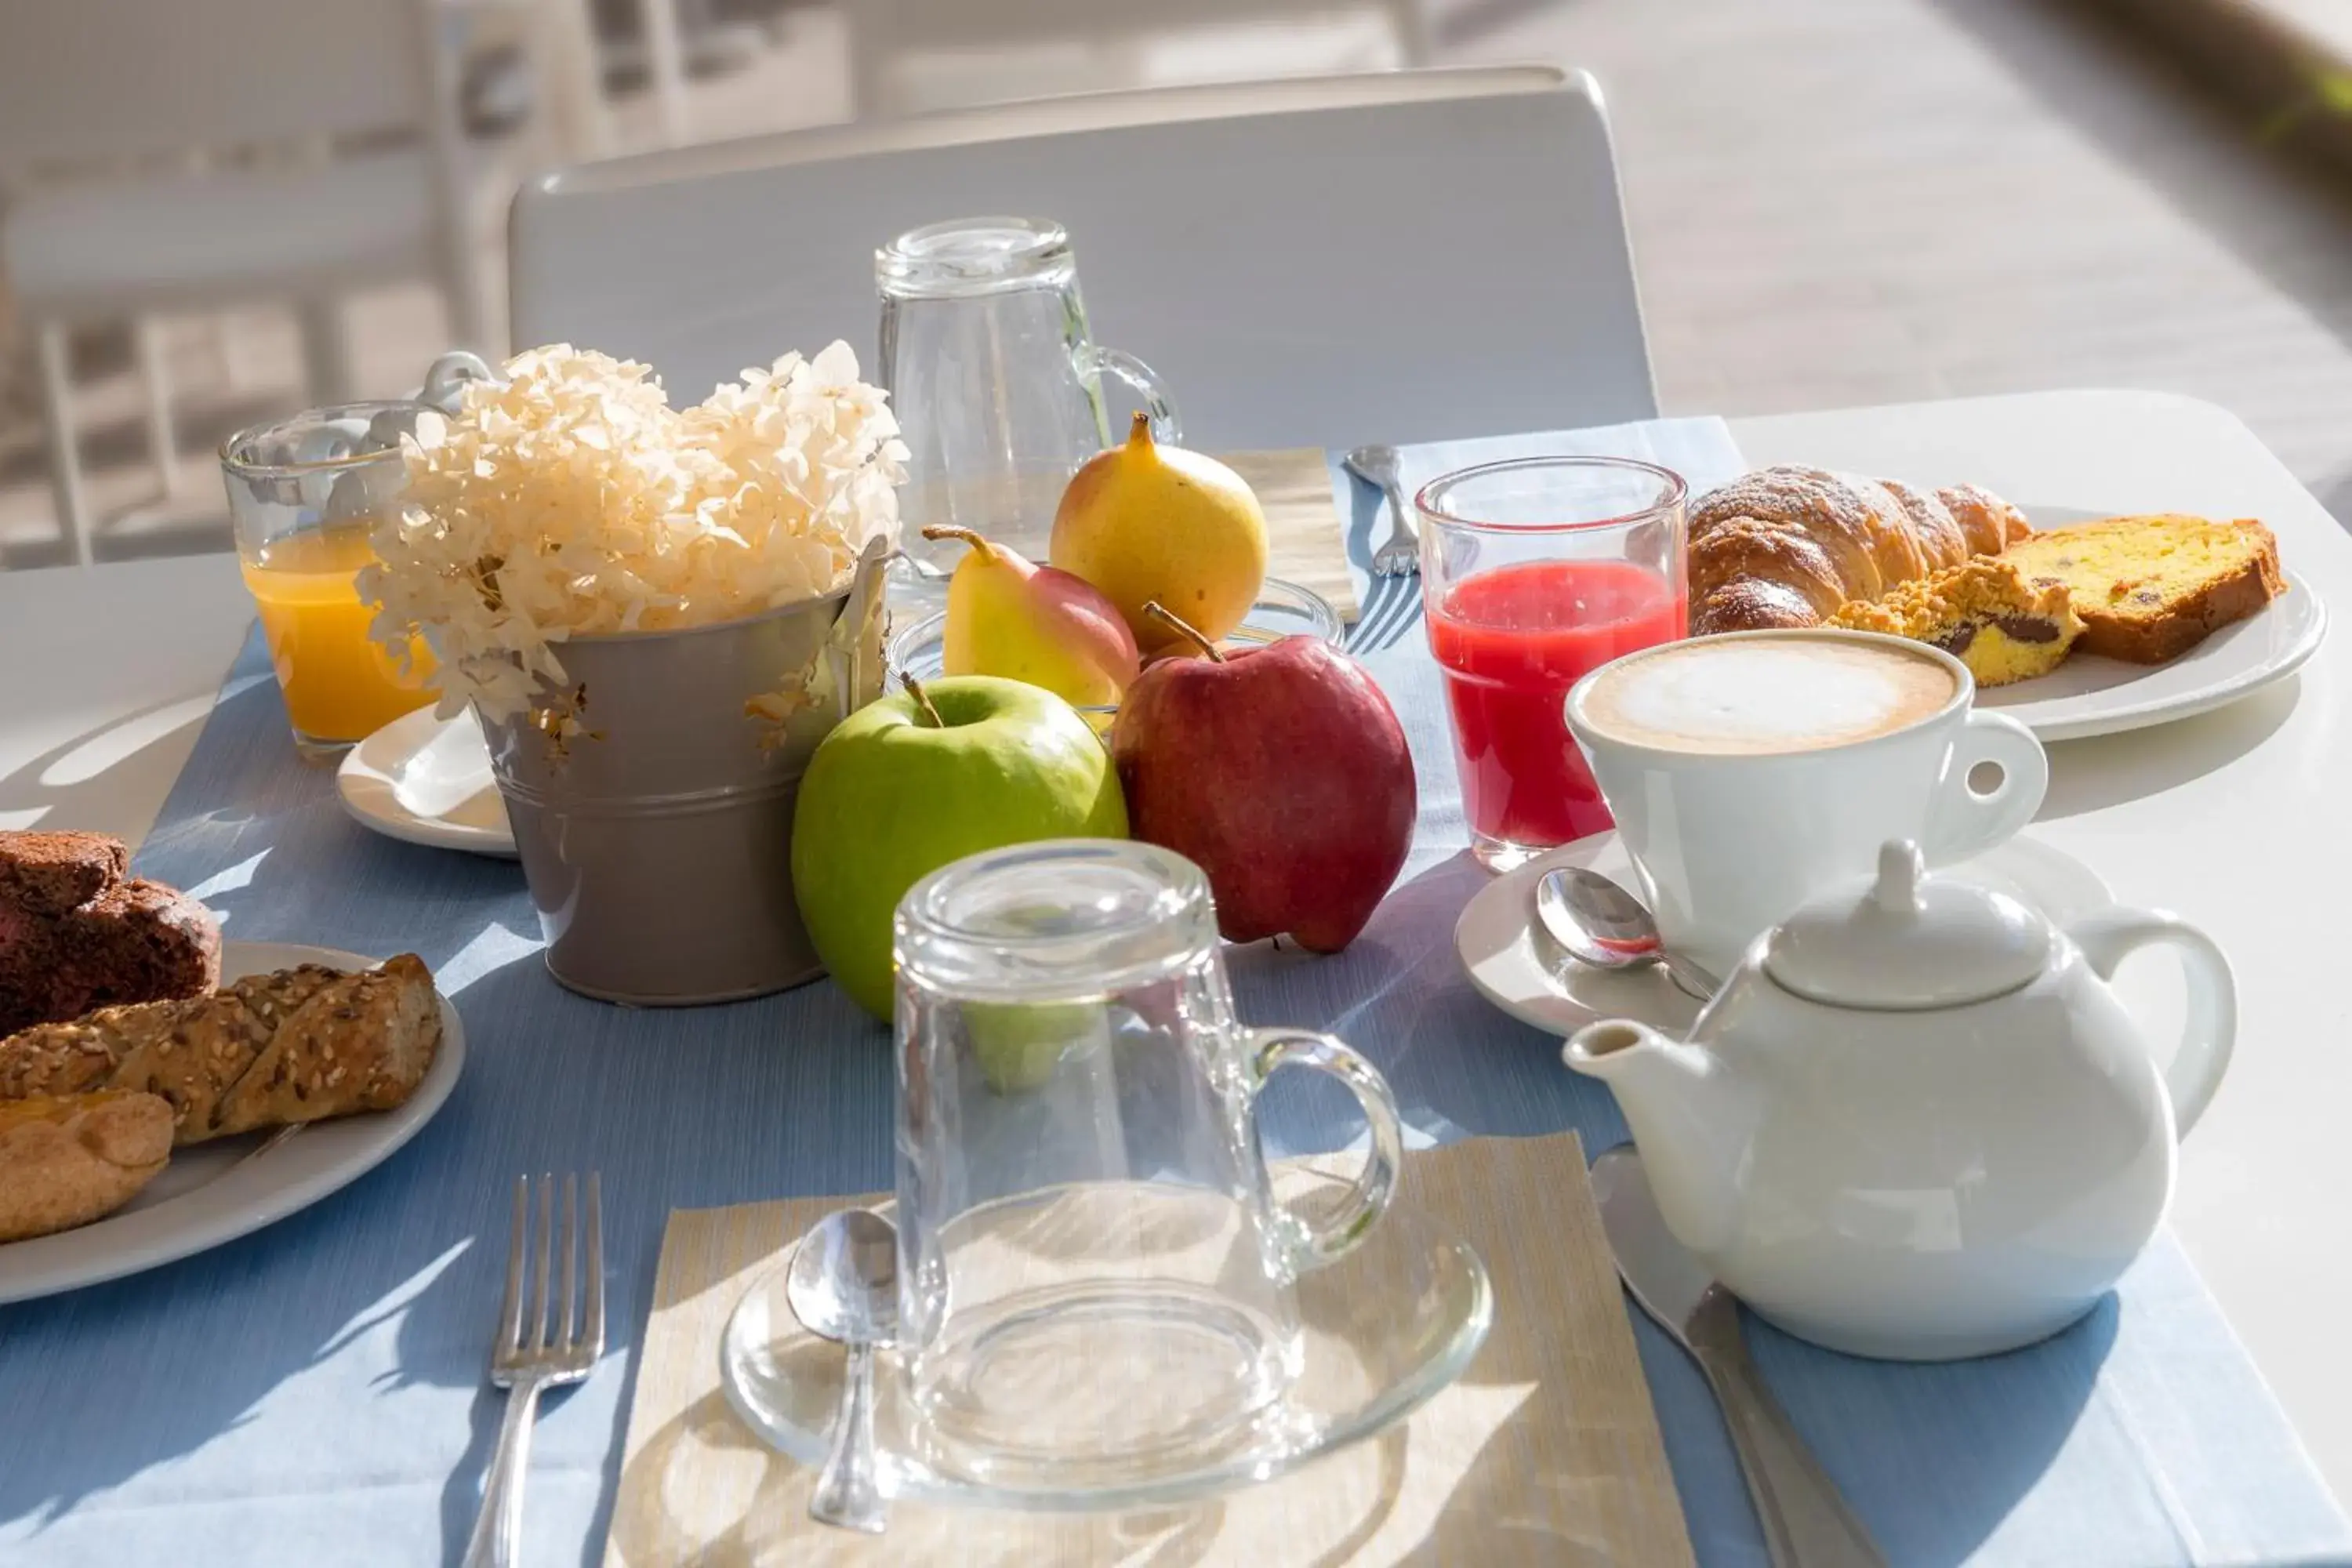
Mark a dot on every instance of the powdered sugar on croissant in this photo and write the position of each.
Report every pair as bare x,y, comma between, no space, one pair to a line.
1786,546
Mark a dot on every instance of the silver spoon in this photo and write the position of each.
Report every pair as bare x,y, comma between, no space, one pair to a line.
844,1286
1600,924
1399,555
1806,1523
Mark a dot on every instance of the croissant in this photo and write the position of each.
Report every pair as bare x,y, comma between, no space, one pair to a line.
300,1045
1786,546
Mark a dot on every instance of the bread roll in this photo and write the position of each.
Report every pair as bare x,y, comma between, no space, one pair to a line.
77,931
300,1045
66,1162
50,873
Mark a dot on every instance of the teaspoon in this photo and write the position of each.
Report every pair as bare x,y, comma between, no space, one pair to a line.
1600,924
844,1286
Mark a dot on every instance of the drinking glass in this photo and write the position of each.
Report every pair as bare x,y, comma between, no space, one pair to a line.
1095,1281
1533,572
303,494
997,387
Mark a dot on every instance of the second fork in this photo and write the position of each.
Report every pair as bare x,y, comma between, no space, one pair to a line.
1399,555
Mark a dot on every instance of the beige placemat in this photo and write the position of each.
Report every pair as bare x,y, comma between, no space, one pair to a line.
1546,1451
1307,542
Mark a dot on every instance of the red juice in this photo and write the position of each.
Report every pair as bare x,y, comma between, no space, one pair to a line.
1512,641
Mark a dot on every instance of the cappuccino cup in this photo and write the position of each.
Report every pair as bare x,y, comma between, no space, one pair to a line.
1751,771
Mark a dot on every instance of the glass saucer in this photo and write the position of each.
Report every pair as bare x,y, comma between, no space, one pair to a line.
1384,1329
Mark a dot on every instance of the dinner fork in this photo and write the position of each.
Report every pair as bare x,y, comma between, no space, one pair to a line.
535,1353
1399,556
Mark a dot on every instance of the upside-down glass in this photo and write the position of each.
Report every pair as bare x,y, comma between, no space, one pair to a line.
1534,572
303,494
997,388
1095,1282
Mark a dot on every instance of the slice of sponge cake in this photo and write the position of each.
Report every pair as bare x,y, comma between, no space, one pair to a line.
2150,588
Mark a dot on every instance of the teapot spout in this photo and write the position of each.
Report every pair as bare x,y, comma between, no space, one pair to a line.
1692,1119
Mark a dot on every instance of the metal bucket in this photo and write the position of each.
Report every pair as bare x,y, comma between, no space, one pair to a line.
657,842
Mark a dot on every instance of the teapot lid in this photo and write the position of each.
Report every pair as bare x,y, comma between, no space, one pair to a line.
1908,940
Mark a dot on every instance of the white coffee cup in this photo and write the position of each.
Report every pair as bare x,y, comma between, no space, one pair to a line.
1751,771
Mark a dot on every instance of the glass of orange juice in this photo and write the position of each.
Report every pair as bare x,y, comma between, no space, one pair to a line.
303,493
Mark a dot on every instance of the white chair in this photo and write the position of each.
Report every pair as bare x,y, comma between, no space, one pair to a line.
132,88
1407,256
910,54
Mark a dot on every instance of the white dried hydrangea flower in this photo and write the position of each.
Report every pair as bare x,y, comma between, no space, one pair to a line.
573,499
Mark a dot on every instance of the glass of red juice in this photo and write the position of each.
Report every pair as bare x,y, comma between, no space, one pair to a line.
1534,572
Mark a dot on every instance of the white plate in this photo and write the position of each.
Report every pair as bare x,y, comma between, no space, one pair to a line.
213,1192
2091,696
1514,965
427,781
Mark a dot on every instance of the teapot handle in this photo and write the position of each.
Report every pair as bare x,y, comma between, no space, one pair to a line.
2213,1025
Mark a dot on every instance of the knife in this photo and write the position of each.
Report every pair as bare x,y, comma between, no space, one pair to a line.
1806,1523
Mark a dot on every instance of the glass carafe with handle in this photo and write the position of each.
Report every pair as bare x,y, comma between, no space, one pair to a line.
1096,1278
997,386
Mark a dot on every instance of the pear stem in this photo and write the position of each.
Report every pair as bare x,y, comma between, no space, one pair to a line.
979,543
924,713
1181,627
1140,431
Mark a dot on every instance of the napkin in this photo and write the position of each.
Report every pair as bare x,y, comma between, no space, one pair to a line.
1546,1450
1305,543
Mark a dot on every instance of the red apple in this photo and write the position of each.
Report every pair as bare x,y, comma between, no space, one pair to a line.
1281,772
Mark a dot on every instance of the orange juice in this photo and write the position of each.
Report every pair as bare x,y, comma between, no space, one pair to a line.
339,685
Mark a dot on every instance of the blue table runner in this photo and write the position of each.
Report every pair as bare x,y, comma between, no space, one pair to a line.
313,1394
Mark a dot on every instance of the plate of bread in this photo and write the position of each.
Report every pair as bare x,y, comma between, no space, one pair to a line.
2075,623
162,1091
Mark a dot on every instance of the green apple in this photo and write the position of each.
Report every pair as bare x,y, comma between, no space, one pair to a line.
891,796
1019,1044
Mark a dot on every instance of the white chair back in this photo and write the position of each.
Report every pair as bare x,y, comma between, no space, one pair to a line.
1322,262
947,22
88,80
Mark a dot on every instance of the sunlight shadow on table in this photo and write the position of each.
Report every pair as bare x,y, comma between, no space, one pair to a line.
113,779
1397,994
383,1287
702,1490
323,1337
745,1504
1985,1430
2114,770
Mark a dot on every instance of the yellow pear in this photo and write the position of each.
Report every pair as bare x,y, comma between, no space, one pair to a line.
1144,521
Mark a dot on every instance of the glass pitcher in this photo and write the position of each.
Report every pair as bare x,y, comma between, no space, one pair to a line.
998,390
1096,1281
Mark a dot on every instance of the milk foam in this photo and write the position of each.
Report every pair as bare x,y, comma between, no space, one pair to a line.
1766,695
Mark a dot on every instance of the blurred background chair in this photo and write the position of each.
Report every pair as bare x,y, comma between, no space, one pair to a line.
906,56
1798,253
161,156
1314,262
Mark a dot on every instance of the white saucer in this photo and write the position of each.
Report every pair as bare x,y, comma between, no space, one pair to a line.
1382,1330
1515,967
219,1191
2091,696
427,781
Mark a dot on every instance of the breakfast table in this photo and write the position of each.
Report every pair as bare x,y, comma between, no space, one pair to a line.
314,1392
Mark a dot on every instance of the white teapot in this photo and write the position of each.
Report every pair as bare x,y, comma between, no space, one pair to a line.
1915,1123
